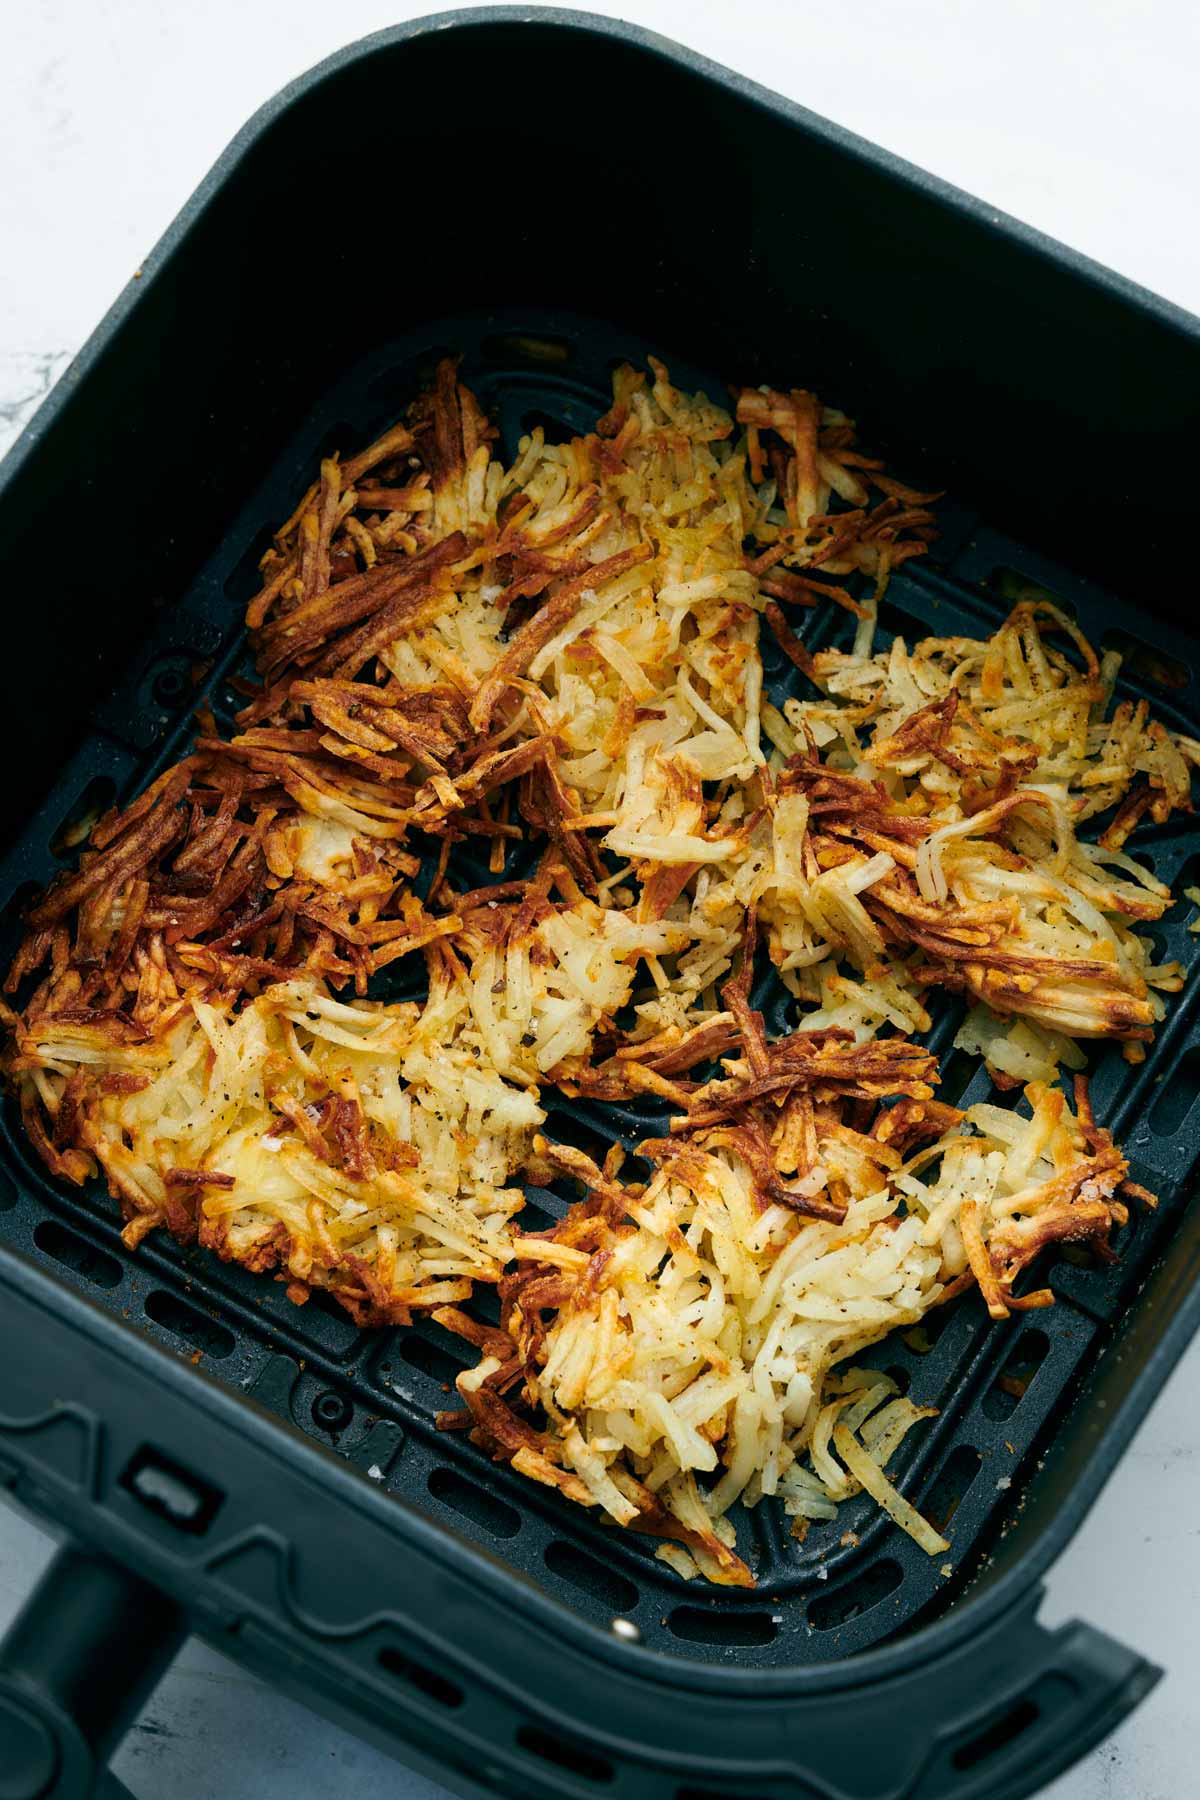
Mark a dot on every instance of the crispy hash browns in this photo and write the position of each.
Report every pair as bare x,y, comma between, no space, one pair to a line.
561,656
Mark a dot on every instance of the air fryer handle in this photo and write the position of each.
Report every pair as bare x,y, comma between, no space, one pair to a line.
996,1719
1027,1705
76,1666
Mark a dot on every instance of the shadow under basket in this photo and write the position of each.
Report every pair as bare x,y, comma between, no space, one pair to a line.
271,1476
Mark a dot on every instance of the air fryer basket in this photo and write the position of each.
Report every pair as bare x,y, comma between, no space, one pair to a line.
379,1566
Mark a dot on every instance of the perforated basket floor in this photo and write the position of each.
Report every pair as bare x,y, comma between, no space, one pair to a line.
374,1396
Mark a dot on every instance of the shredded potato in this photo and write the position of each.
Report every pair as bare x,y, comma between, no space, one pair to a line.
460,657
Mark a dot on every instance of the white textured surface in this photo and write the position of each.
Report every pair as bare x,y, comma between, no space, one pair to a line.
1077,116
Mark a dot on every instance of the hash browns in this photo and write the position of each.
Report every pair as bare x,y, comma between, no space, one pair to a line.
563,653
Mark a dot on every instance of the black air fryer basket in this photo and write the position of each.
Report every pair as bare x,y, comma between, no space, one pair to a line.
547,193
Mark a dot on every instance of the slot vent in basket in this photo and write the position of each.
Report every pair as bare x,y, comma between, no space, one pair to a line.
336,440
432,1359
245,578
590,1577
852,1598
554,431
75,828
471,1502
1011,1385
730,1629
537,350
950,1485
1016,588
75,1253
395,386
175,1315
1145,661
21,899
897,622
958,1071
922,1339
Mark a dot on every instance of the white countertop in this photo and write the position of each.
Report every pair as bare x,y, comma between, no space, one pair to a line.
1077,116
